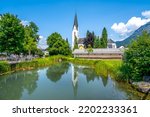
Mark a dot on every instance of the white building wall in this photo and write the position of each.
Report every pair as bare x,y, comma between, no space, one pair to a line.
75,33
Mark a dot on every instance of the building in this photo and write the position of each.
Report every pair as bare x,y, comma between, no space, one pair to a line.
75,31
107,53
111,44
75,34
111,52
80,41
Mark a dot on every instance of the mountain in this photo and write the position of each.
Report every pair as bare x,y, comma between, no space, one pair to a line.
138,32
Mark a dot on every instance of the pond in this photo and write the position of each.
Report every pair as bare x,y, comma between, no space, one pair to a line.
65,81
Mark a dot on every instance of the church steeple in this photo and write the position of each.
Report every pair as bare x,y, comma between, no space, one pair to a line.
75,31
75,22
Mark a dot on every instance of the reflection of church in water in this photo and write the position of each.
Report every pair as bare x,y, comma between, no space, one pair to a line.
74,79
89,74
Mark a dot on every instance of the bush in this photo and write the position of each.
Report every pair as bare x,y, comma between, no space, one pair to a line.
136,63
25,65
4,67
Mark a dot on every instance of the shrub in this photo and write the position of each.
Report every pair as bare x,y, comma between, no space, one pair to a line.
136,63
4,67
25,65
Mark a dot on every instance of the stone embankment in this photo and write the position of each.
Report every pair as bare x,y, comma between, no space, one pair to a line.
142,86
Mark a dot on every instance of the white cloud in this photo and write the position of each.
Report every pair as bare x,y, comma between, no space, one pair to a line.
146,14
24,22
41,37
119,28
125,29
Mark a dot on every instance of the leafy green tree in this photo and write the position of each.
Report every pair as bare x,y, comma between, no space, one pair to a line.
35,30
137,58
11,34
75,43
97,43
30,42
53,38
57,45
104,38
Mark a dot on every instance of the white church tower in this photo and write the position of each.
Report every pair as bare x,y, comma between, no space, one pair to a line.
75,31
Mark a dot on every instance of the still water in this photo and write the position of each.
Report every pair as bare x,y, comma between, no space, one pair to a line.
62,81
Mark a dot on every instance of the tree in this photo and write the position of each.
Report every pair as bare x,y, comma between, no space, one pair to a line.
67,40
97,43
57,45
137,58
75,43
35,30
89,39
11,34
53,38
104,38
30,40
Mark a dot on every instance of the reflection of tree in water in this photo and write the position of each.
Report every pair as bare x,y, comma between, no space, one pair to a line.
55,72
29,81
12,86
104,76
105,81
90,74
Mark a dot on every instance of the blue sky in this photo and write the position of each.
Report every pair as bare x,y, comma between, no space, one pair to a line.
120,17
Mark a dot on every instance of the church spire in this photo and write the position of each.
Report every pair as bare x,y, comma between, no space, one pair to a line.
75,31
75,22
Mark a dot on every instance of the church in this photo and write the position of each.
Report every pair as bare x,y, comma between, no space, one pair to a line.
80,41
75,34
111,52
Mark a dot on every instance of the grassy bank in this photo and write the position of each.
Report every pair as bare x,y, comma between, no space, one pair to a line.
5,67
102,67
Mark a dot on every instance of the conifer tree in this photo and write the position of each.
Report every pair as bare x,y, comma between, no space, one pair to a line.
89,39
97,43
104,38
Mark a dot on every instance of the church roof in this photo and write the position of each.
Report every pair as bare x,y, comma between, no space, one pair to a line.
81,40
110,41
75,21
